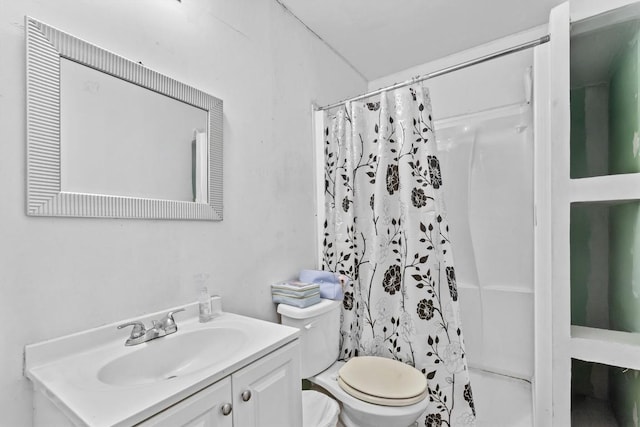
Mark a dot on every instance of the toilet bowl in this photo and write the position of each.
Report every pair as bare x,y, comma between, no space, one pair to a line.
358,413
392,399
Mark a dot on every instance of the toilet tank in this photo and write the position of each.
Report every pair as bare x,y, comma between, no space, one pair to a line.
319,327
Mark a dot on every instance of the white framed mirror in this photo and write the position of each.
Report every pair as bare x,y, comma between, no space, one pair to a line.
107,137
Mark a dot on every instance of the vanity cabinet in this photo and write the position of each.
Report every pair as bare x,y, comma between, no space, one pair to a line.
265,393
232,371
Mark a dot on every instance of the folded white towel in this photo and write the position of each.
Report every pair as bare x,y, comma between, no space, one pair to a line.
296,302
295,286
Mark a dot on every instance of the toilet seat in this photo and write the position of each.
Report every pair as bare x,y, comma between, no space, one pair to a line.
380,400
382,381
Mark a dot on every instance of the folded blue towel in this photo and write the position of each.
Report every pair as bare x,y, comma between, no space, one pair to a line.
331,284
331,291
318,276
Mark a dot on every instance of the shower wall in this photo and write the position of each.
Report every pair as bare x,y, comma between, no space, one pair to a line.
484,127
487,161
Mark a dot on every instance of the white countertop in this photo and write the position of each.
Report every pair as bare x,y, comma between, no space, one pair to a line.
65,369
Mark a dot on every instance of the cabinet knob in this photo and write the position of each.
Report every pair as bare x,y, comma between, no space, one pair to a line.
246,395
226,409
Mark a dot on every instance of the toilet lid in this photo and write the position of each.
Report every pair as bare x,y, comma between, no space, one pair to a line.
383,379
380,400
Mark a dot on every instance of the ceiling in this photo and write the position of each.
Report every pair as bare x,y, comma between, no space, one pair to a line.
381,37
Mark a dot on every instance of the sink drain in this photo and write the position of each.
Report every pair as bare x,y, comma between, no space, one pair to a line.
171,377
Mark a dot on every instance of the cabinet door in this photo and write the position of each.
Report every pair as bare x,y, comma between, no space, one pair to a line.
203,409
267,393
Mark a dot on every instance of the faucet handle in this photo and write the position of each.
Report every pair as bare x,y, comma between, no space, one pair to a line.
170,314
138,328
168,323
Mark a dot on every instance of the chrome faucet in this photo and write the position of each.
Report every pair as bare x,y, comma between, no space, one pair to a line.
139,334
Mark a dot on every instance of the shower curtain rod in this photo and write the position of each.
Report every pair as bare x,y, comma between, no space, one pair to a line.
489,57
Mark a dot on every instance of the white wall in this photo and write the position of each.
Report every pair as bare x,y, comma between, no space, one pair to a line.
60,275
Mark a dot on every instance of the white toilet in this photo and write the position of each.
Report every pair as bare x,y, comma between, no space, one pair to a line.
394,397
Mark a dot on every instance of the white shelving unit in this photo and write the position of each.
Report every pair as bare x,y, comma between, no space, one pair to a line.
608,347
555,199
608,188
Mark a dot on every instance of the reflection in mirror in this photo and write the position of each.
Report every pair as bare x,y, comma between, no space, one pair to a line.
107,137
140,148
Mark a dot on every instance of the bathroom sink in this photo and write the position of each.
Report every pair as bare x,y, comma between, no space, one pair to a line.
173,356
101,382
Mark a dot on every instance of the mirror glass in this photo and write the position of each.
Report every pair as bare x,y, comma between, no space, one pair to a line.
107,137
139,148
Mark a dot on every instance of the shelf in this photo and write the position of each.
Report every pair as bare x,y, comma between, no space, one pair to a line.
587,411
590,15
603,98
604,346
597,392
606,188
602,263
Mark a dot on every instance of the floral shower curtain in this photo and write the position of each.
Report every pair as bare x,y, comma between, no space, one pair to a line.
386,228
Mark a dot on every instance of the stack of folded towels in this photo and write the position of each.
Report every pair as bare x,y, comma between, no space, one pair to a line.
298,294
313,285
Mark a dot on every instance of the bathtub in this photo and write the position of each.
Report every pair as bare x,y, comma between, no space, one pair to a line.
501,401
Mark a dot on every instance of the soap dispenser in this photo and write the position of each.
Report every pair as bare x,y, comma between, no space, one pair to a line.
204,299
204,305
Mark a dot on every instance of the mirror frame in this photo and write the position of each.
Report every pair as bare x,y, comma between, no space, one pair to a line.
45,46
